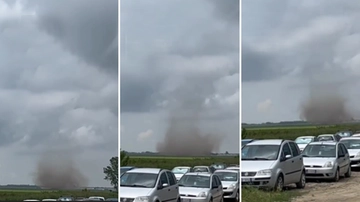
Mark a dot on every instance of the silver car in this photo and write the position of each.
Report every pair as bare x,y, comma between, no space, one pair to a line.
326,160
230,182
302,141
203,169
179,171
201,187
149,184
272,164
352,144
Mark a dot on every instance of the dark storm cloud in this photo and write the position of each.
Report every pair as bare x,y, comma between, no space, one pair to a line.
87,28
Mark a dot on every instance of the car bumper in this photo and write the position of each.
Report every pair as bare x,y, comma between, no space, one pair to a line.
194,199
320,173
258,181
355,162
230,193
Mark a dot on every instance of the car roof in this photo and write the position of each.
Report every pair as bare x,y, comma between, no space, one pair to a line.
182,167
226,170
201,174
323,143
201,166
247,139
350,138
326,135
127,167
309,136
267,142
145,170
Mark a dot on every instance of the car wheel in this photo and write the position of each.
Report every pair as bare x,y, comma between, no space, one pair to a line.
301,184
279,186
337,176
237,196
348,173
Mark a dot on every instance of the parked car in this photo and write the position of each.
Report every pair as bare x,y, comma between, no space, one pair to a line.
218,166
31,200
302,141
352,144
49,199
100,198
326,160
356,135
230,180
272,164
179,171
237,168
328,137
200,187
66,198
344,133
149,184
125,168
203,169
246,141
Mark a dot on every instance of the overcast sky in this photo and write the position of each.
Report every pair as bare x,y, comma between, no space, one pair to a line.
287,46
58,85
175,46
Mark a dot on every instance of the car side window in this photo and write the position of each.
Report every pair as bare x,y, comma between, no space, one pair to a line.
218,180
163,178
213,181
294,149
344,148
340,150
286,149
171,178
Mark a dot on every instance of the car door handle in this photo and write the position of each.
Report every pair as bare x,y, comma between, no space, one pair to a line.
292,161
168,189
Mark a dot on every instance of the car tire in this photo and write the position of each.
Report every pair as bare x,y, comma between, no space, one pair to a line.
301,184
348,173
236,199
279,185
337,176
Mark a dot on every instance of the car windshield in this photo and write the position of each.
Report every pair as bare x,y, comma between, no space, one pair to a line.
344,134
200,170
146,180
244,142
321,151
195,181
218,166
325,138
351,144
260,152
303,140
123,170
180,170
227,176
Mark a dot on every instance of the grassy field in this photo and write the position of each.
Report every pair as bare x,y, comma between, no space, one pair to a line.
291,133
253,195
20,195
171,162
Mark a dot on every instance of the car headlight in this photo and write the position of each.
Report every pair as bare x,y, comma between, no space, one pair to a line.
357,155
328,164
264,172
202,194
232,186
142,199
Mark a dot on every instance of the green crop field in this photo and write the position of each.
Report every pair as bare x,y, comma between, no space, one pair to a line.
252,195
20,195
289,132
171,162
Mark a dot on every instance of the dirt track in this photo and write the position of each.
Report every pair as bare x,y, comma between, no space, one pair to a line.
344,190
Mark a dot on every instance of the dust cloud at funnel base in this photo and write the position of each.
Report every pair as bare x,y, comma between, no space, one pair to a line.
58,171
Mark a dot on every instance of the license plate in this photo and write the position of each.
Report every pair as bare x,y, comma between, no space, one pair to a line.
245,179
311,171
185,200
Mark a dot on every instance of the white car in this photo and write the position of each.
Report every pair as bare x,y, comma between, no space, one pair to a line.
356,135
302,141
149,184
352,144
233,168
179,171
49,199
230,182
30,200
326,160
100,198
201,187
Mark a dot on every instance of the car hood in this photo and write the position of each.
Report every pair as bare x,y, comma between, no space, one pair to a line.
226,184
353,152
192,190
133,192
317,161
178,176
253,166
